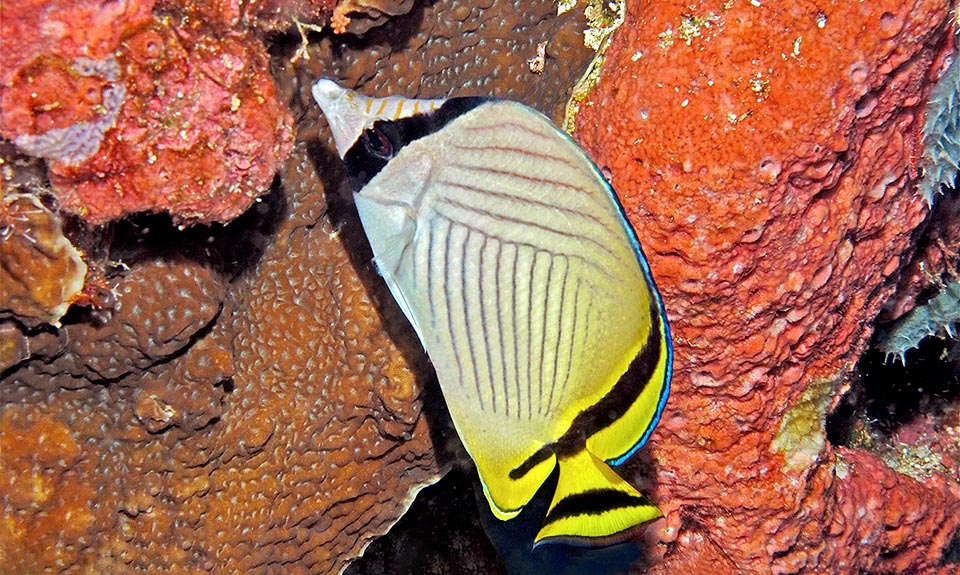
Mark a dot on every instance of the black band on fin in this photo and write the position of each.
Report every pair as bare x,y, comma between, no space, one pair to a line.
594,502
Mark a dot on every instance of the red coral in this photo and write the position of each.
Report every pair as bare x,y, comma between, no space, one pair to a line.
32,29
762,153
201,134
182,119
264,15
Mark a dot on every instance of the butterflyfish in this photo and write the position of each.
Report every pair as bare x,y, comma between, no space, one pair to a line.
511,257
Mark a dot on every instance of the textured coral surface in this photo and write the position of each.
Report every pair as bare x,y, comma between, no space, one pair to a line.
84,28
936,260
152,115
763,153
264,15
42,271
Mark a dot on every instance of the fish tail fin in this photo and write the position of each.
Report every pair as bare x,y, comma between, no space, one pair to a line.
593,505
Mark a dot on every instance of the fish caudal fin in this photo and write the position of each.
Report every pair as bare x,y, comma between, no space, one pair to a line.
592,504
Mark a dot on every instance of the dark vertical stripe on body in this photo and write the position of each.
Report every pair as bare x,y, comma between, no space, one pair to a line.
483,323
430,275
466,320
499,327
533,268
543,330
403,253
513,323
459,219
556,348
612,406
448,298
622,395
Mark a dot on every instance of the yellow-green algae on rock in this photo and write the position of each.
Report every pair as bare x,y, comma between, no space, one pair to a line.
802,433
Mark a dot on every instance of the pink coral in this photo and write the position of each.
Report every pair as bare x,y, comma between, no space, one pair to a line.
176,118
34,29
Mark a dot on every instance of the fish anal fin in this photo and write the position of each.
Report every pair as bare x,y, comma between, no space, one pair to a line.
593,505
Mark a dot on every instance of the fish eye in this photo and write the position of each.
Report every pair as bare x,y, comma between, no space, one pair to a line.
377,143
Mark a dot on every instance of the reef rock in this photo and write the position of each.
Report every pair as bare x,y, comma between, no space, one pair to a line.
158,117
262,16
764,154
33,30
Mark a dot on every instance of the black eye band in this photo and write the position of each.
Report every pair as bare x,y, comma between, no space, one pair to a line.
377,143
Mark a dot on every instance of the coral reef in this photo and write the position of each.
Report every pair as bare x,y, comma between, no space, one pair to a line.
257,430
240,407
33,30
767,167
460,48
154,116
142,327
252,402
345,16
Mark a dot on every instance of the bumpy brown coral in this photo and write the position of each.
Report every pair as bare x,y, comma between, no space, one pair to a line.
362,15
160,306
462,48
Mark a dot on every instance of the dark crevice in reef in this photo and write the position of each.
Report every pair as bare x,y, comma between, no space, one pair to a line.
887,394
450,529
951,553
440,533
230,249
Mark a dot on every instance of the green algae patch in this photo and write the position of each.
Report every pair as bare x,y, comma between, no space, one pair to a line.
802,433
603,19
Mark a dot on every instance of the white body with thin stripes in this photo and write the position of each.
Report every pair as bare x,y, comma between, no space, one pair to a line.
517,297
517,268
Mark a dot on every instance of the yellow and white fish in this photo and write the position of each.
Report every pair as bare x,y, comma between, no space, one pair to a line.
512,258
